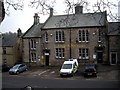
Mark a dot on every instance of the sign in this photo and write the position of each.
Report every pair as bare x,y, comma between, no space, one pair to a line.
94,56
39,58
46,53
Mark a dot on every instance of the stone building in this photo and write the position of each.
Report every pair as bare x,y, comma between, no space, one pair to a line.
79,35
114,42
10,49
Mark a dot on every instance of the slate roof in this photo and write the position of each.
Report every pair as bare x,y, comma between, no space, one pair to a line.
33,31
114,28
76,20
9,40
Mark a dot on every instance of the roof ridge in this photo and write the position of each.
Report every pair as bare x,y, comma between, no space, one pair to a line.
78,14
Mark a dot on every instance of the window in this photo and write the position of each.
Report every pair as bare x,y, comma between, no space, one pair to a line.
33,44
60,36
83,53
33,57
99,36
83,35
60,52
4,50
46,37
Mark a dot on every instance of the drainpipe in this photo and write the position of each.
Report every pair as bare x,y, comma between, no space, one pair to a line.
70,45
108,49
29,53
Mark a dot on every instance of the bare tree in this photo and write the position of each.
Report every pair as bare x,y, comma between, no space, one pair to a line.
98,6
42,5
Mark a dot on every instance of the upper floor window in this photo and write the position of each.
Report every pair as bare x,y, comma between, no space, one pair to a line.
99,36
83,35
60,37
33,43
60,52
46,37
83,53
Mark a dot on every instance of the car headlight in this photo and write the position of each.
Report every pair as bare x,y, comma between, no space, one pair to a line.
70,71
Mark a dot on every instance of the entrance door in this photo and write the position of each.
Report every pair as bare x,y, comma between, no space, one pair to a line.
47,60
47,57
100,56
113,57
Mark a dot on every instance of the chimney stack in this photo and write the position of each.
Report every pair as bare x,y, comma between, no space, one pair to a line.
36,19
51,12
19,32
78,9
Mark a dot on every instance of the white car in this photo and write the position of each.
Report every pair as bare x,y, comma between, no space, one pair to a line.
69,67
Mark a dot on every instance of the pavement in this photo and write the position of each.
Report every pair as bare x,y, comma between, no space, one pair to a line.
105,72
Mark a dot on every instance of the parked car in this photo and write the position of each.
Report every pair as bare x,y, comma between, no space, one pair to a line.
4,68
18,68
90,70
69,68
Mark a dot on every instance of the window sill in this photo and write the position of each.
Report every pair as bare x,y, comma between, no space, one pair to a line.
83,41
60,57
59,41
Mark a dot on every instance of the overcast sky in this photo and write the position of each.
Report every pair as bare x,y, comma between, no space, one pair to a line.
24,19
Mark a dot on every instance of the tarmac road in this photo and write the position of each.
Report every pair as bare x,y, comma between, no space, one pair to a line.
108,77
36,82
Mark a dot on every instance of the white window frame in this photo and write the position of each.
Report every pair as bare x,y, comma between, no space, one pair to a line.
60,53
83,53
59,36
83,34
46,37
33,44
99,36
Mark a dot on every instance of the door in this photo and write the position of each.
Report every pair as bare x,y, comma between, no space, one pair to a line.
47,53
47,60
113,58
100,57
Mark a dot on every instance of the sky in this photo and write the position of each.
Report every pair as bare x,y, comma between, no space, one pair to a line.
23,19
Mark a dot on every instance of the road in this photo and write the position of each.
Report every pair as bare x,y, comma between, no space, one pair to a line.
16,81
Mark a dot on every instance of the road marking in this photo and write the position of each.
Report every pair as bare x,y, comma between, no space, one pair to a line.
43,72
53,72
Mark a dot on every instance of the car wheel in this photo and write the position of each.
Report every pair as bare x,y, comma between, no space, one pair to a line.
26,69
72,74
61,75
17,72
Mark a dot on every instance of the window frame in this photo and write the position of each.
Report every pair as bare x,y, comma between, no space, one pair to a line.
83,36
59,36
33,57
46,37
60,53
83,53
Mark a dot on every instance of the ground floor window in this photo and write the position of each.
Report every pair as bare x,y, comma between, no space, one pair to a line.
33,57
83,53
60,52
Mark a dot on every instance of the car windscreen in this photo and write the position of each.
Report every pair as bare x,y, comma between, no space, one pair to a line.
67,66
90,70
16,66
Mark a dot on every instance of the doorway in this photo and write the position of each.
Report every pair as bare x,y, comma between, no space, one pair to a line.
100,56
113,58
47,54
